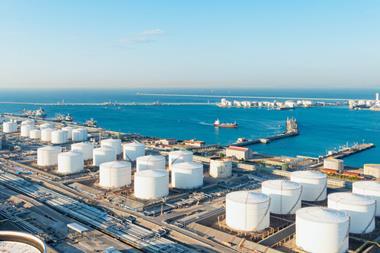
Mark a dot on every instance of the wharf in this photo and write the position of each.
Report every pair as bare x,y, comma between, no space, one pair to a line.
266,139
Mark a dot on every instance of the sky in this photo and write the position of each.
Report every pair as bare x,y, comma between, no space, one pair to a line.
197,43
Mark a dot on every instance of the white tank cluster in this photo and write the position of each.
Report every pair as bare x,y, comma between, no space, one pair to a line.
58,137
187,175
47,125
102,155
115,144
370,189
320,229
9,127
70,163
285,195
179,156
150,162
220,168
247,211
151,184
35,134
361,210
69,131
314,184
25,130
133,150
86,148
114,174
46,134
79,134
48,155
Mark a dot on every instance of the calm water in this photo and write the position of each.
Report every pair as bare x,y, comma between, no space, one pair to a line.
322,129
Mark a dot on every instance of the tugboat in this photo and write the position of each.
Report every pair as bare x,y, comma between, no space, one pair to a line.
218,124
90,123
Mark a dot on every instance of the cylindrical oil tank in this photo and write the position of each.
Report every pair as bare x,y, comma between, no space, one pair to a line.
102,155
151,184
133,150
321,229
179,156
46,134
58,137
27,122
25,130
47,125
221,168
314,184
370,189
86,148
150,162
48,155
79,134
68,130
187,175
70,163
361,210
247,211
9,127
35,134
114,174
285,195
115,144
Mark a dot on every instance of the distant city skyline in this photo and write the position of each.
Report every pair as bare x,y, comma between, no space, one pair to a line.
174,44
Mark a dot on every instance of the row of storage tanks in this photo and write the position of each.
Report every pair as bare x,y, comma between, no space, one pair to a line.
347,212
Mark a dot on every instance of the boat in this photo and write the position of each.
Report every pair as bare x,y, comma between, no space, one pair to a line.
218,124
39,113
61,117
68,117
90,123
241,140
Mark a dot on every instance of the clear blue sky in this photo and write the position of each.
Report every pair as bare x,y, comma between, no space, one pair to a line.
205,43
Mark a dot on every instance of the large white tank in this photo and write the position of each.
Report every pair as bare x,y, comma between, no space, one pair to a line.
102,155
25,130
70,163
79,134
150,162
285,195
370,189
180,156
27,122
86,148
314,184
114,174
35,134
320,229
46,134
115,144
48,155
247,210
220,168
68,130
151,184
133,150
47,125
9,127
361,210
187,175
58,137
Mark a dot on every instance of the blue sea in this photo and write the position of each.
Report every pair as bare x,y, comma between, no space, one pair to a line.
322,128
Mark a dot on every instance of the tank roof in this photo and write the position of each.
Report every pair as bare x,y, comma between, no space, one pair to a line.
281,184
247,197
322,215
349,198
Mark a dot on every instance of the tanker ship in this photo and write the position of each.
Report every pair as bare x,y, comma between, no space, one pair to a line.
217,123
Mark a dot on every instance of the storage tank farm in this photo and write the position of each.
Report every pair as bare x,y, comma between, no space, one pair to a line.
150,162
370,189
151,184
86,148
133,150
46,134
114,174
35,134
48,156
285,195
220,168
247,211
179,156
361,210
70,163
314,184
321,229
115,144
102,155
58,137
9,127
187,175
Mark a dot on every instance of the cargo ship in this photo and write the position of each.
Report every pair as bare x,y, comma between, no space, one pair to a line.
218,124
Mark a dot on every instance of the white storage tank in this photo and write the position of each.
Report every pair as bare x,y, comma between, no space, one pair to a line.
68,130
86,148
187,175
35,134
285,195
372,170
46,134
370,189
180,156
79,134
115,144
58,137
221,168
102,155
133,150
70,163
47,125
321,229
247,211
25,130
361,210
151,184
27,122
9,127
314,184
114,174
48,155
150,162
